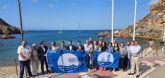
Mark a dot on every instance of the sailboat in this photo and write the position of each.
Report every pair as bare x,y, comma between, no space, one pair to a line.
60,30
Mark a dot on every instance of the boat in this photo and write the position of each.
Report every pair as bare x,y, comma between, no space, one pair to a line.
60,30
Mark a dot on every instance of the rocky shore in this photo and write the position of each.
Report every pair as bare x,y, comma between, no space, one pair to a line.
6,30
152,25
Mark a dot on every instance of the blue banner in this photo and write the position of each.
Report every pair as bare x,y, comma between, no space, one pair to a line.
106,59
64,61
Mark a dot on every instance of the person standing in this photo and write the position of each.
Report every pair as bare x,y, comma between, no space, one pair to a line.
70,46
128,54
110,47
104,46
115,49
123,58
63,47
79,46
100,45
95,45
35,60
103,49
135,51
90,40
95,48
24,55
42,50
89,48
53,46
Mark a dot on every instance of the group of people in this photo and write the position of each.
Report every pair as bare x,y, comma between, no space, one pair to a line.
129,55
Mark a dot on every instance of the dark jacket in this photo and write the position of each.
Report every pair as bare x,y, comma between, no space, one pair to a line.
73,48
41,52
82,48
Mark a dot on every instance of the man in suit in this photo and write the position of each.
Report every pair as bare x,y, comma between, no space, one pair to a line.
42,50
79,46
71,46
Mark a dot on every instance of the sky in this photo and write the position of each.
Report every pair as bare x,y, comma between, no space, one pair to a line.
69,14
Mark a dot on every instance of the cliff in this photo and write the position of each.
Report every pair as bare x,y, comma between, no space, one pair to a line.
6,28
151,26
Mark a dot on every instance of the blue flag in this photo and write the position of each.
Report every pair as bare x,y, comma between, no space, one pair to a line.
106,59
64,61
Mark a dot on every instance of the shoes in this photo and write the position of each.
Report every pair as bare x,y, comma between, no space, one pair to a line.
131,74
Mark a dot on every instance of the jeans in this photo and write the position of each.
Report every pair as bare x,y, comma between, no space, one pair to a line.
22,67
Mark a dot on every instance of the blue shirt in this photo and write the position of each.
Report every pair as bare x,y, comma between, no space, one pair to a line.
110,49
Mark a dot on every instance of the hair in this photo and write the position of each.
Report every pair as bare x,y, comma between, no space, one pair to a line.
79,41
104,43
115,47
70,41
110,43
133,41
117,44
122,43
41,42
96,41
34,44
24,41
54,42
62,41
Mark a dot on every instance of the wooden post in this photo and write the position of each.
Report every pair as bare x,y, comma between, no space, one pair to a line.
16,67
20,17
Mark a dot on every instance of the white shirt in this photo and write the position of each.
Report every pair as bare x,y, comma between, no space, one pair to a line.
88,47
135,49
128,51
70,47
24,51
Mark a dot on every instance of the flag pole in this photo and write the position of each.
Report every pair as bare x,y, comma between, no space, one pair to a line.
134,31
20,18
112,21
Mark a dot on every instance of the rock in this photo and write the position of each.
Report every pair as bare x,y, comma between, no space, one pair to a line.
104,34
6,28
7,37
152,25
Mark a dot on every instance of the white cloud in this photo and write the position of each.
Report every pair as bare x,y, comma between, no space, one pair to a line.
4,7
154,1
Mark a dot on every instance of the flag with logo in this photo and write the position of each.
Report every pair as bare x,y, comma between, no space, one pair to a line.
106,59
64,61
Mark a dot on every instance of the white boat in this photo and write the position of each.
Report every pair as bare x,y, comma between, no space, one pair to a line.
60,30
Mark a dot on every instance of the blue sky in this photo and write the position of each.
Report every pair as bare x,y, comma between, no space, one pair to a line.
91,14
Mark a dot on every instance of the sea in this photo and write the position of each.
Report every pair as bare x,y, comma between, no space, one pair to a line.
8,48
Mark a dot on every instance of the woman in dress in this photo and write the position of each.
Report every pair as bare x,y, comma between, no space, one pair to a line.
35,60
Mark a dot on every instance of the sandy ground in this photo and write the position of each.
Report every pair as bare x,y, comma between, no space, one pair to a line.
149,68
